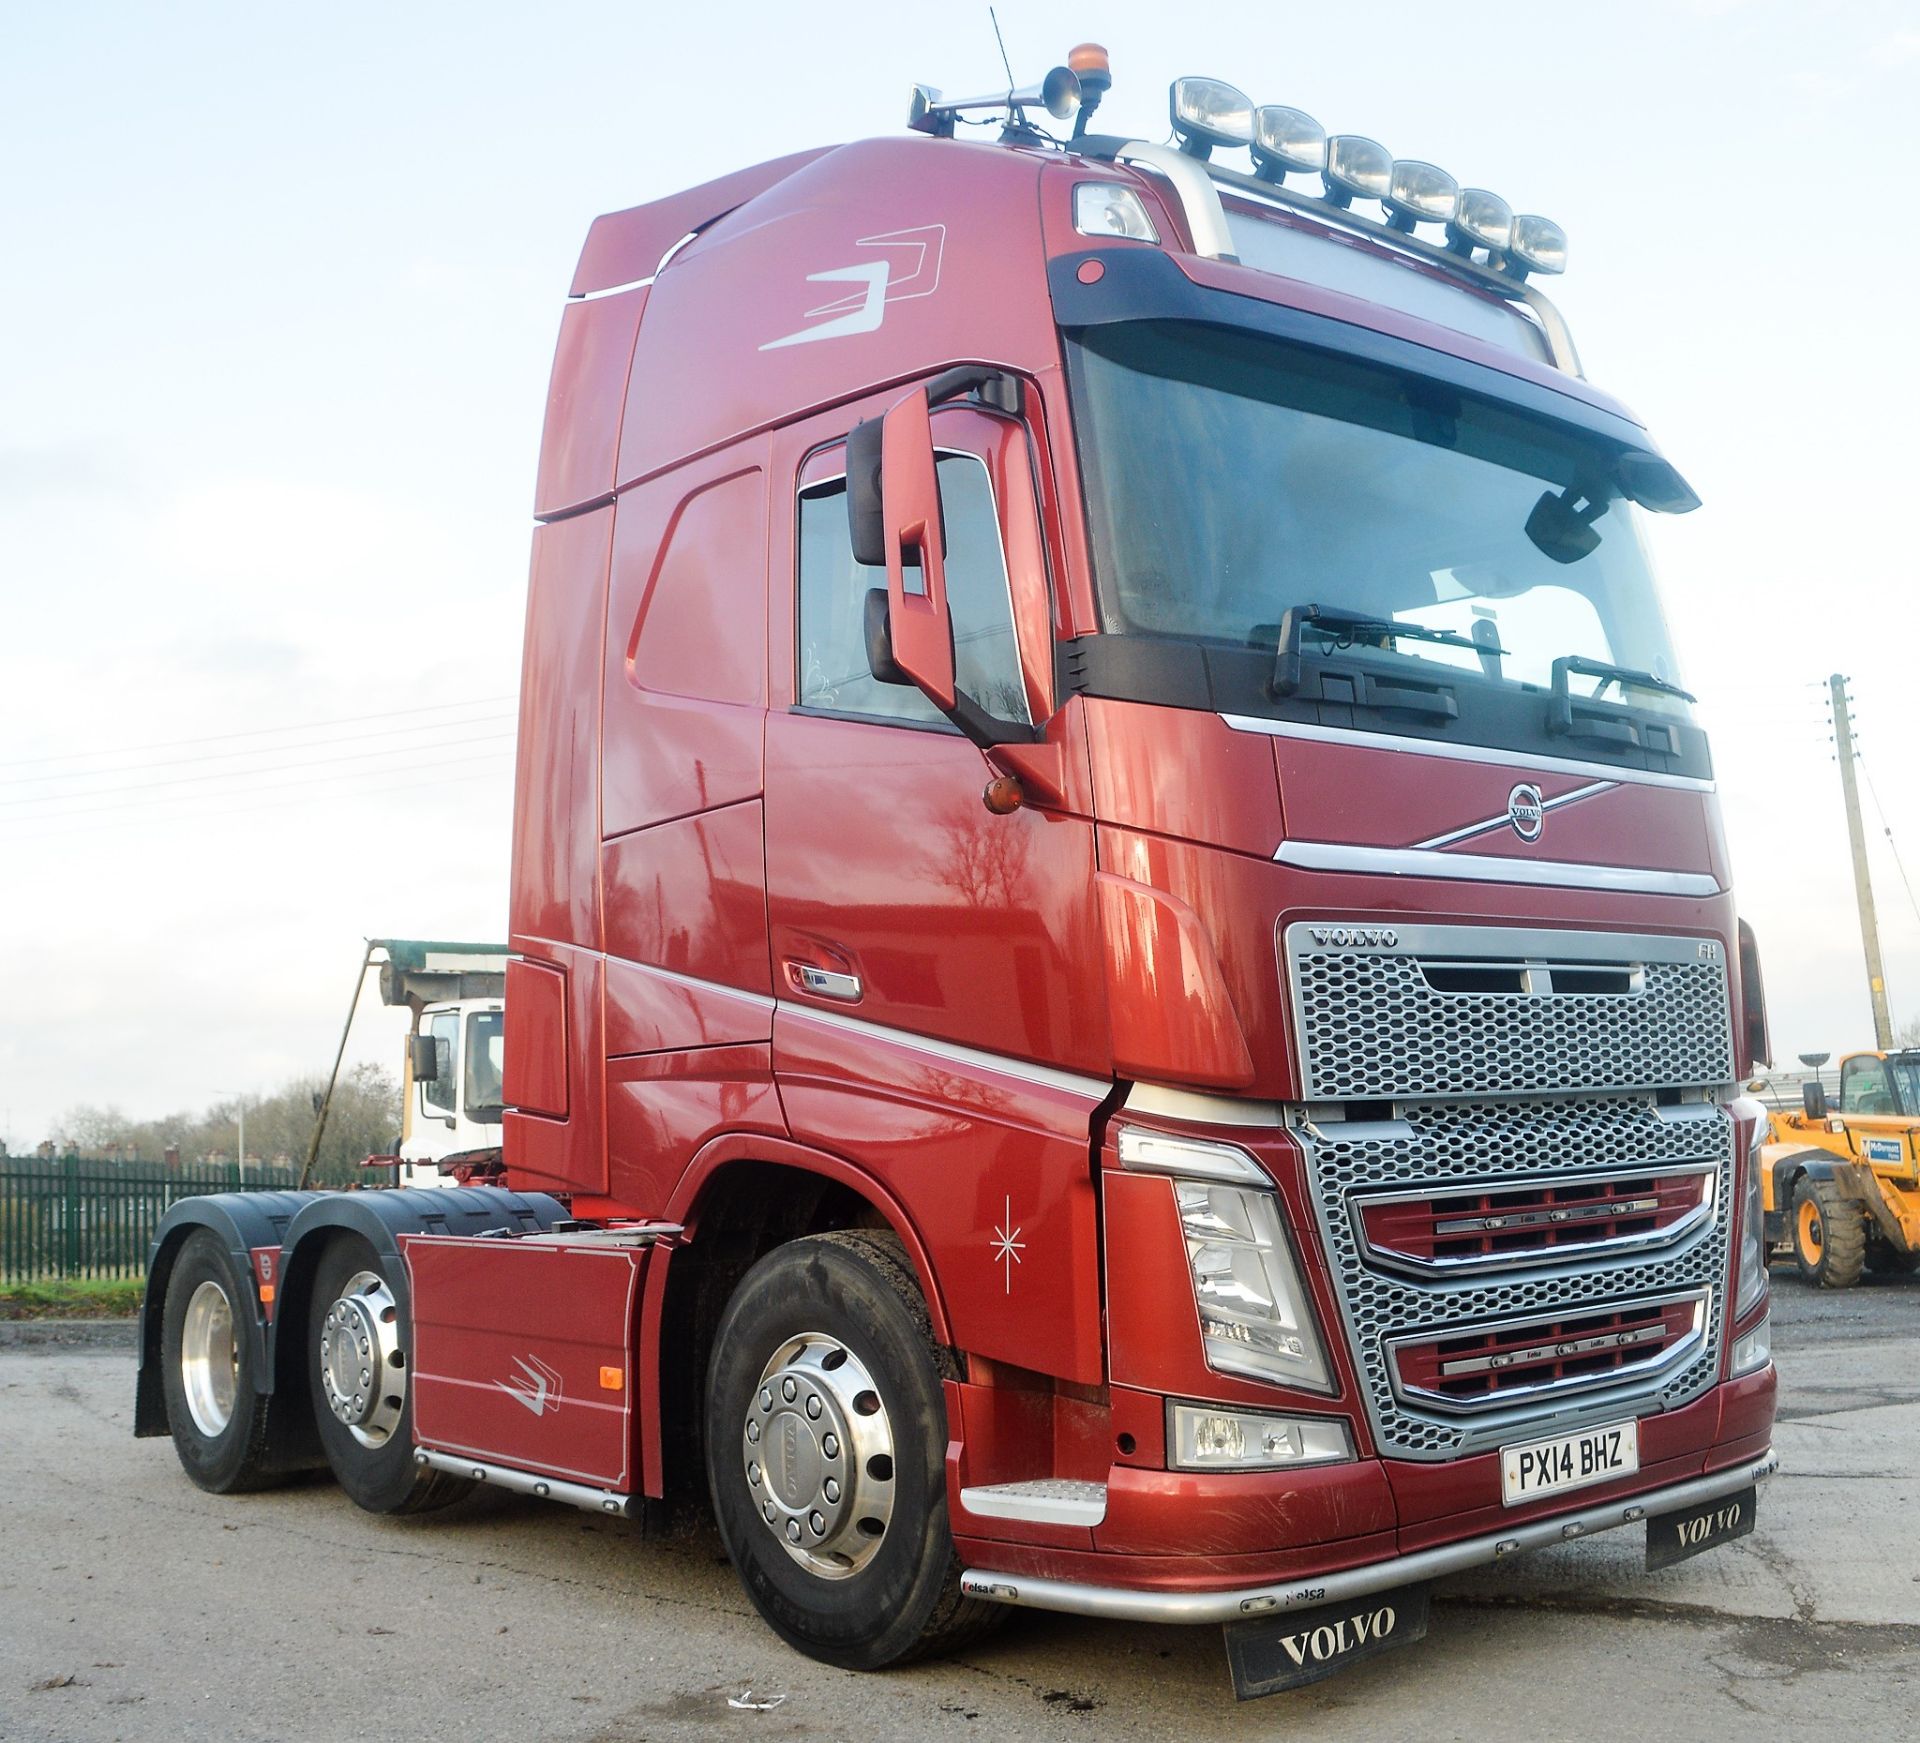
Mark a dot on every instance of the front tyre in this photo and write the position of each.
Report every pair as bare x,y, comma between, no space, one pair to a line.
1829,1235
359,1350
826,1438
215,1410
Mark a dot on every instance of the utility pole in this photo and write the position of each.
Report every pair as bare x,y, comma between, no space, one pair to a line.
1862,883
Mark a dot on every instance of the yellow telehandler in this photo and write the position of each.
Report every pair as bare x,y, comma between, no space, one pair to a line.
1842,1186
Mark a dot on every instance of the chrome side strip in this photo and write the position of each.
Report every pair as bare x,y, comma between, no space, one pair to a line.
613,290
693,983
1518,761
1504,819
1418,862
1201,1109
525,1482
1092,1088
1125,1605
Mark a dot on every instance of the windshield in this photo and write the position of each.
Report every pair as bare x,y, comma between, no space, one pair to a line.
1906,1080
1231,476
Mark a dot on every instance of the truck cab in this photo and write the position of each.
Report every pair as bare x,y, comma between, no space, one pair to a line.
454,1101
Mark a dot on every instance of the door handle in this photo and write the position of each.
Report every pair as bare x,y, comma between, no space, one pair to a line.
825,983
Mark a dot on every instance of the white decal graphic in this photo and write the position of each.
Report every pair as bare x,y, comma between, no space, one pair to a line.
1007,1244
911,270
536,1386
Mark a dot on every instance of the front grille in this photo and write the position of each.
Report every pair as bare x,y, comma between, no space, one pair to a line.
1532,1359
1525,1217
1389,1012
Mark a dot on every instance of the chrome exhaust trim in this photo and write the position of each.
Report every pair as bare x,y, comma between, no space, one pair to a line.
1119,1604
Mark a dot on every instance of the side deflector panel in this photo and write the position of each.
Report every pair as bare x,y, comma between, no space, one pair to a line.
523,1353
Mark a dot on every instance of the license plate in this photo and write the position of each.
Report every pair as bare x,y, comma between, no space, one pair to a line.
1672,1537
1568,1461
1272,1653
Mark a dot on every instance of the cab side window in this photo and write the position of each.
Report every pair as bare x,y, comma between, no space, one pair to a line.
1864,1088
834,676
437,1092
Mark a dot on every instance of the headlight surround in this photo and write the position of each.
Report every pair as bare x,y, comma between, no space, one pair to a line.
1256,1320
1211,1437
1750,1273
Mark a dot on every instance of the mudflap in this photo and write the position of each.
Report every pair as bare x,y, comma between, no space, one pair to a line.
1273,1653
1674,1537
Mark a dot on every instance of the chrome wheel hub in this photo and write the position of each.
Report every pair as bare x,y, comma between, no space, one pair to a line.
817,1449
362,1366
209,1359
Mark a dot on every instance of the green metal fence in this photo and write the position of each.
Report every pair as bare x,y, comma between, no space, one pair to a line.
82,1218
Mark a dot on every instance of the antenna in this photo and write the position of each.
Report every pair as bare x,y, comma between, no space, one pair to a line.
993,18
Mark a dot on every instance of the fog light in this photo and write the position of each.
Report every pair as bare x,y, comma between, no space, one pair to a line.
1357,169
1420,193
1539,244
1287,139
1107,209
1209,112
1205,1437
1754,1350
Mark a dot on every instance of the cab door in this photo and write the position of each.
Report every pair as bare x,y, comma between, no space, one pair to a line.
941,1017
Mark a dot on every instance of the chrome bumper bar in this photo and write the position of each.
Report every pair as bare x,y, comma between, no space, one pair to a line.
1124,1605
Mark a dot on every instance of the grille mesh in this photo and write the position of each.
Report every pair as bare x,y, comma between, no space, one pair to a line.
1372,1028
1478,1141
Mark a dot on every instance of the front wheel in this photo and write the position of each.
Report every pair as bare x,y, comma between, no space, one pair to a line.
1829,1235
358,1354
826,1440
215,1410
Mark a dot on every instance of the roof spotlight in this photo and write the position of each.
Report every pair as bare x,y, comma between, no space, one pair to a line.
1484,220
1539,245
1418,193
1357,169
1286,139
1209,112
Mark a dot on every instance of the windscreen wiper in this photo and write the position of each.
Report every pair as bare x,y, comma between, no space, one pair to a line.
1344,629
1612,674
1595,724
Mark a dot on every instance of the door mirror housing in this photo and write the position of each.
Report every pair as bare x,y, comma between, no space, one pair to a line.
425,1058
879,635
919,623
1813,1098
866,520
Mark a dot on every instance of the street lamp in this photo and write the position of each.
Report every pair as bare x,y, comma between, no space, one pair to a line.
240,1114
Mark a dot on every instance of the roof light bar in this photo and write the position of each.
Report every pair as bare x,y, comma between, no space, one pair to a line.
1209,112
1357,168
1287,139
1420,193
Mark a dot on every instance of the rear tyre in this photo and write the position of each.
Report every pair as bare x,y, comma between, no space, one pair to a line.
826,1435
215,1410
1829,1235
359,1350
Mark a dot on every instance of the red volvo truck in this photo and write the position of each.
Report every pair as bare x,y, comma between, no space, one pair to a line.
1126,996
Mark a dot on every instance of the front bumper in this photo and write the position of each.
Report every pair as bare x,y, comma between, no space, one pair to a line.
1122,1604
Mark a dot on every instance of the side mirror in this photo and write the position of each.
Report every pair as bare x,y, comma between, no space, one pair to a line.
919,623
880,661
1813,1097
866,523
425,1058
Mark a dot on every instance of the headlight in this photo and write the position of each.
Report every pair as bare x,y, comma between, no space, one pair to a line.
1287,139
1754,1350
1357,169
1108,209
1484,220
1418,193
1206,1437
1750,1275
1255,1319
1539,244
1209,112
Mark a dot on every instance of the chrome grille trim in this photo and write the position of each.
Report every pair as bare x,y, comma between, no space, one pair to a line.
1521,1258
1444,1143
1369,1025
1555,1389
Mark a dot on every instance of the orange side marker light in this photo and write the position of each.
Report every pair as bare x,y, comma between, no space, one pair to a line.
612,1380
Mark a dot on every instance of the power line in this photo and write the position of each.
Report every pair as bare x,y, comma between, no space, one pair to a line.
242,774
255,732
1893,846
214,756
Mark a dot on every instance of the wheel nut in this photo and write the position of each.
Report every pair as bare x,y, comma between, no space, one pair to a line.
830,1445
819,1525
753,1474
788,1390
753,1431
831,1489
766,1399
766,1512
793,1531
813,1408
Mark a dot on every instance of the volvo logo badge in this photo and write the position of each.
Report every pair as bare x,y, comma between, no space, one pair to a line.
1527,812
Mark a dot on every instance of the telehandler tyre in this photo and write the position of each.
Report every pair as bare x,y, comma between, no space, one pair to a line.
1829,1235
826,1438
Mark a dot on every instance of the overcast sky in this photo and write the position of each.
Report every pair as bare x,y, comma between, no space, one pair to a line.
278,293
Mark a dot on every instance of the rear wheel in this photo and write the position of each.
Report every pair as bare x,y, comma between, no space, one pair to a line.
1829,1235
358,1355
215,1411
826,1442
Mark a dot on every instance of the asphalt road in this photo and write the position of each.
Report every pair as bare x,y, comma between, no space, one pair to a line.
134,1606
